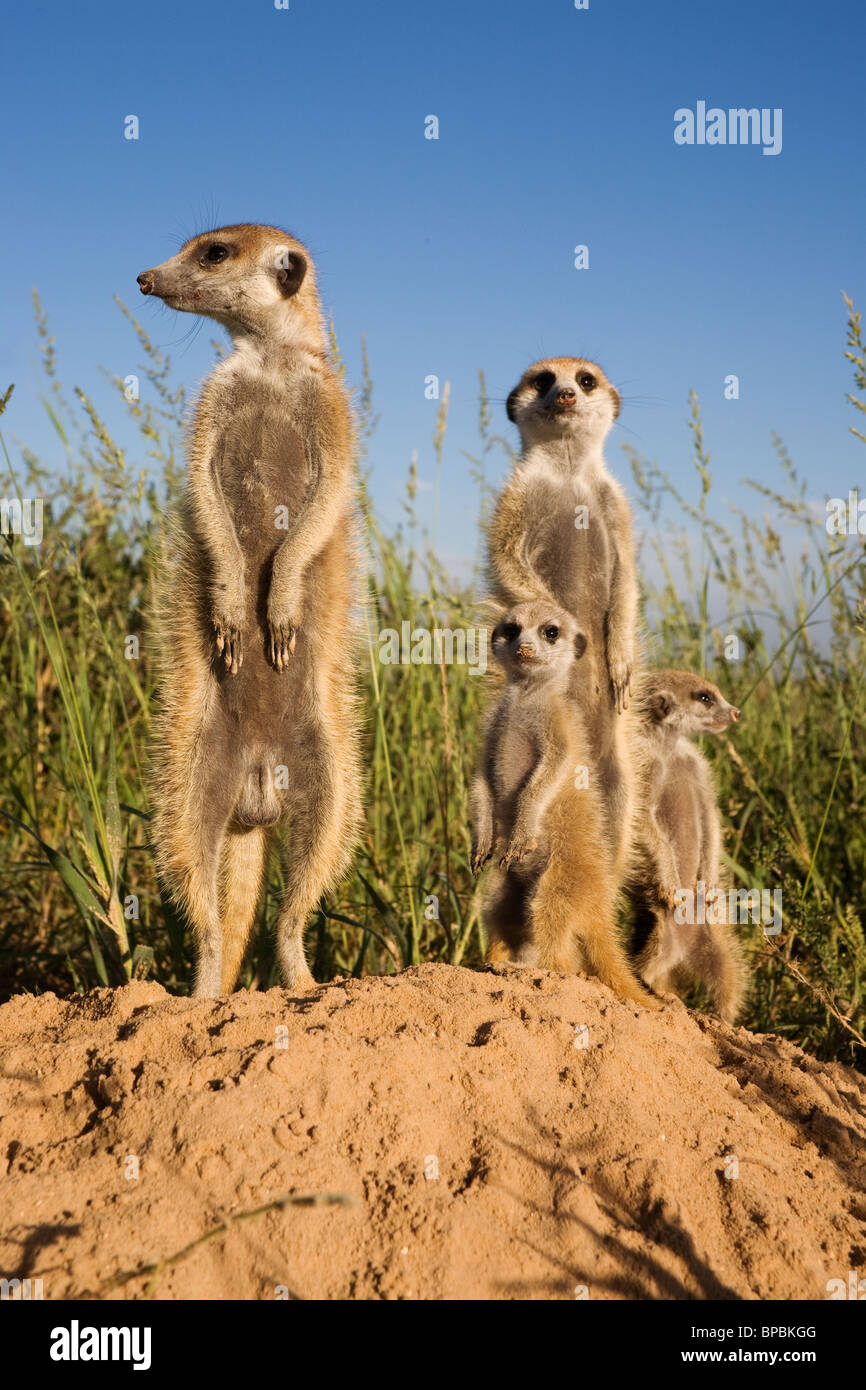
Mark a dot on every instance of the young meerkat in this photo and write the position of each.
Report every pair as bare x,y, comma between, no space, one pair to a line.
561,531
258,718
680,842
552,902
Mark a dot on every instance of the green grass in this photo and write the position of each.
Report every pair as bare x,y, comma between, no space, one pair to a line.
76,710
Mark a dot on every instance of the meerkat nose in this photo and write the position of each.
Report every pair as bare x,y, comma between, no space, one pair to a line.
566,394
525,651
735,714
145,282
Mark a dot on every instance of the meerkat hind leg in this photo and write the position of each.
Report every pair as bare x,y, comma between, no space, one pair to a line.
574,921
717,963
505,921
663,954
320,839
190,842
618,807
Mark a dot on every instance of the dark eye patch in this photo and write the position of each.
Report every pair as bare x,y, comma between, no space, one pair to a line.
510,631
551,633
543,382
216,252
586,381
705,697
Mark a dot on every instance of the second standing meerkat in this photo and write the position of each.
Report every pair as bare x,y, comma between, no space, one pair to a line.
562,531
680,844
258,720
549,821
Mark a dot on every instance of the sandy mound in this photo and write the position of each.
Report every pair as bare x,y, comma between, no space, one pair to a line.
558,1164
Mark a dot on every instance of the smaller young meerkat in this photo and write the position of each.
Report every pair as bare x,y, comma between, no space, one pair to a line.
561,531
680,841
552,902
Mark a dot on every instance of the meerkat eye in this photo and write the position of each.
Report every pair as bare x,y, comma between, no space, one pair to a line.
510,631
551,633
543,382
705,697
216,253
587,382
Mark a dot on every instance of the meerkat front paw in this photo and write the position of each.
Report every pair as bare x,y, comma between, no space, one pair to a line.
619,670
228,620
520,845
481,852
716,900
283,625
667,895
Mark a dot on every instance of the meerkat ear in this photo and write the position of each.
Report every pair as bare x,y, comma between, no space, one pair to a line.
661,705
579,644
617,401
509,406
291,269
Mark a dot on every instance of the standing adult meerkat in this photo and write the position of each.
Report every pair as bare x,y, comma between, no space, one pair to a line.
258,718
561,531
680,844
552,902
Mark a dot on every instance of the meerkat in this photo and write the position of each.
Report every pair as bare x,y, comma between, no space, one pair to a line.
561,531
680,843
553,899
258,718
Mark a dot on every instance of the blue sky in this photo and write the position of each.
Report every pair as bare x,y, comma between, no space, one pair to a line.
556,128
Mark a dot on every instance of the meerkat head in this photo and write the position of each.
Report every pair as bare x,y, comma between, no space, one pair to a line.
685,704
537,642
563,398
255,280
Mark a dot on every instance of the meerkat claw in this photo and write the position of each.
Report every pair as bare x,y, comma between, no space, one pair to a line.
479,859
228,645
517,851
281,644
620,682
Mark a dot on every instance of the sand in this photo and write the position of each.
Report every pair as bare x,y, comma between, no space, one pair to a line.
507,1134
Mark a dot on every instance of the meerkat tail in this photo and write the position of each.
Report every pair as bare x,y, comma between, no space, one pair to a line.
242,868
